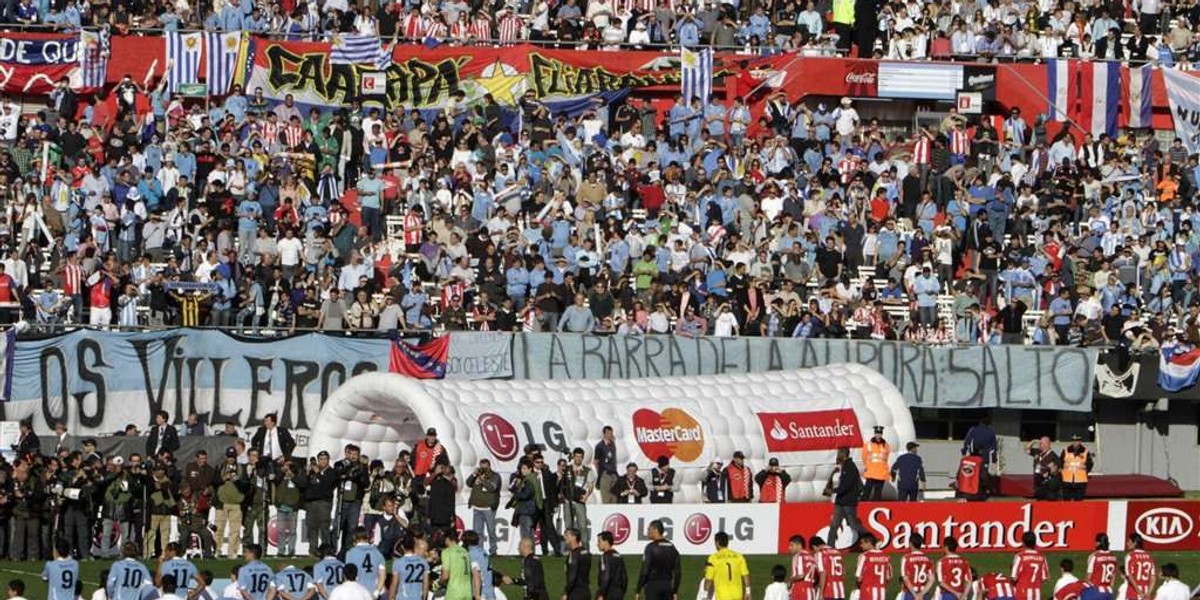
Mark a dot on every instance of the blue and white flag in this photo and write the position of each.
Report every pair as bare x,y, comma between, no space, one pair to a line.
1106,98
183,58
697,74
221,52
1140,102
94,49
1058,87
1183,93
355,49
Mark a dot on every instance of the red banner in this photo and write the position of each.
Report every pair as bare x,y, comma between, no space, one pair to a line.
1165,525
862,78
978,526
805,431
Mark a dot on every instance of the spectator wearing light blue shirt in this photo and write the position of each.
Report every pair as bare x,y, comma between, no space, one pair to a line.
926,286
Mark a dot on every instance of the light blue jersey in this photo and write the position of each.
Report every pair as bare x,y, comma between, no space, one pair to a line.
479,562
182,570
255,578
294,582
60,576
126,580
410,571
369,560
328,574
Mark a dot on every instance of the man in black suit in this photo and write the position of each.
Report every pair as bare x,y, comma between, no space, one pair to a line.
163,435
27,443
549,484
272,441
579,567
533,577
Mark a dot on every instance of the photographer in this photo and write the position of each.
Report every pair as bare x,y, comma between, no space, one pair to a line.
483,501
231,493
577,483
163,505
193,521
287,504
442,488
521,500
77,483
402,483
29,500
353,482
260,472
120,488
317,486
381,486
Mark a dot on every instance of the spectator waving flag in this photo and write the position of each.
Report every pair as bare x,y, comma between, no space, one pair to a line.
426,361
1138,100
221,53
355,49
95,48
183,58
697,74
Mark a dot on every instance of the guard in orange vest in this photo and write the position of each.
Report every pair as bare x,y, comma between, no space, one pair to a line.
875,465
1077,462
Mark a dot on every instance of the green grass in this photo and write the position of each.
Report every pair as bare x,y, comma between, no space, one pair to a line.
693,568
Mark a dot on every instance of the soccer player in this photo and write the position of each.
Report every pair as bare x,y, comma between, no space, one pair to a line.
372,566
456,569
327,573
916,570
255,580
659,576
831,573
874,569
128,576
953,572
62,573
171,562
294,584
1070,587
1141,574
481,567
613,578
804,570
410,573
726,576
1029,569
1102,568
997,586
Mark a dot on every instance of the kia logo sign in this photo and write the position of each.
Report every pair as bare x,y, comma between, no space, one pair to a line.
697,529
618,526
1164,525
499,436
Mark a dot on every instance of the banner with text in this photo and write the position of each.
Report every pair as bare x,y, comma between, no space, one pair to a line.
1020,377
33,66
1183,94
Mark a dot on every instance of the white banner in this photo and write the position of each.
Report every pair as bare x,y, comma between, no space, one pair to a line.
480,356
752,529
1183,92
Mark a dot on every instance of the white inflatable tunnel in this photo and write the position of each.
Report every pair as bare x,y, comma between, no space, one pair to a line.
800,417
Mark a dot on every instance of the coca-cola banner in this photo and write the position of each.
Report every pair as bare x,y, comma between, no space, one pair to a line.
862,78
978,526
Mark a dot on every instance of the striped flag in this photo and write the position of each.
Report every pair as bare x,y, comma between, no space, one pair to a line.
221,52
95,48
1139,102
697,74
1099,114
183,58
1058,87
355,49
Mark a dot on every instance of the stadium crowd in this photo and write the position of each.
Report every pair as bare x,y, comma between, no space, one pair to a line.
808,221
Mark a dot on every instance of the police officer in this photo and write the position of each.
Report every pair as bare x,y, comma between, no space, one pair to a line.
909,473
1077,462
660,574
875,465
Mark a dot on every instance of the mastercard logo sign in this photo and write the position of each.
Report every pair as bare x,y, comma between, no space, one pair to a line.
672,433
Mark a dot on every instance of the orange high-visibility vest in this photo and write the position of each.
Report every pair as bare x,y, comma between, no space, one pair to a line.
875,460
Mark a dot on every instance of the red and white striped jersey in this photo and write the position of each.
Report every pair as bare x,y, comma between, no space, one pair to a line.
874,571
510,28
917,569
72,280
412,25
1140,572
293,135
997,587
451,291
829,562
922,150
270,134
414,232
460,30
1030,571
642,5
959,143
481,28
1102,570
954,574
804,575
436,29
846,167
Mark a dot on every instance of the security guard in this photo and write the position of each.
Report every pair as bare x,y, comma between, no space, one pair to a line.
1077,462
875,465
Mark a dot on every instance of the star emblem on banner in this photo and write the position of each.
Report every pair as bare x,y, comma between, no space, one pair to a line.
503,82
231,42
690,59
190,42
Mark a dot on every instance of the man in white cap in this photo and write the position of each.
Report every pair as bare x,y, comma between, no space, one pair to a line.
845,118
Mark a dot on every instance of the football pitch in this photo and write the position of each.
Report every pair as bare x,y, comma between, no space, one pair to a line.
693,570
